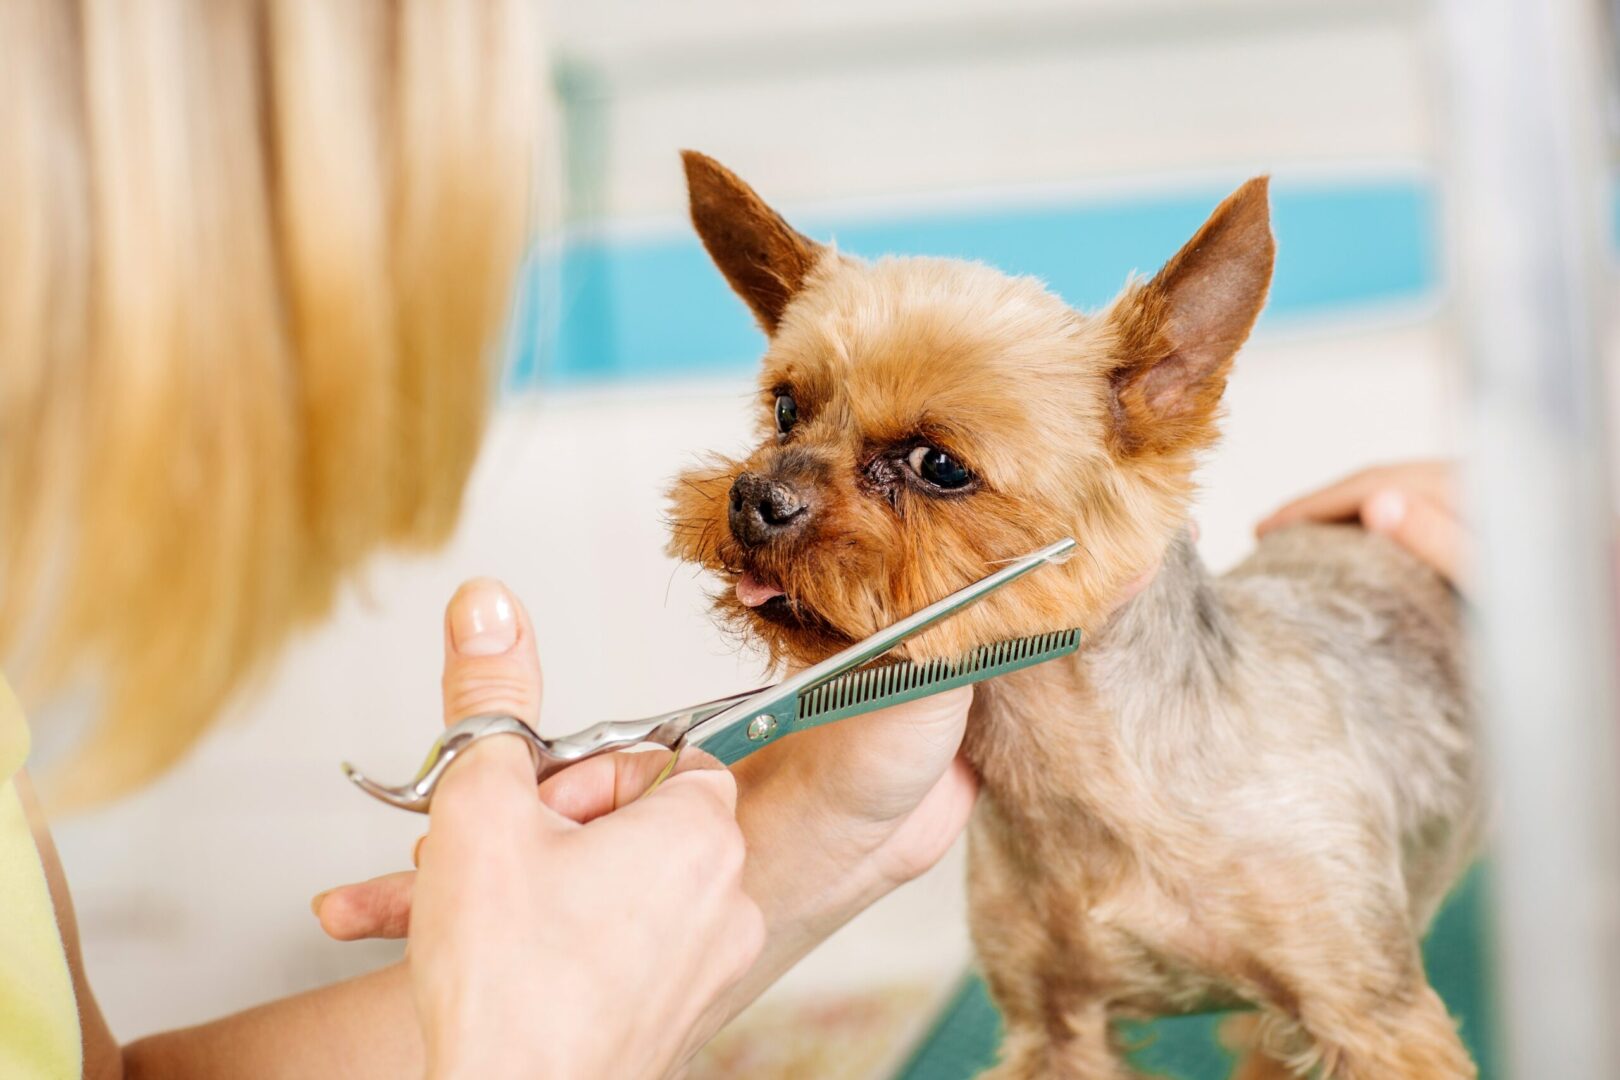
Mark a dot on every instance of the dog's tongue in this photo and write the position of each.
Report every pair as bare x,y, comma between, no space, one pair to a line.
754,592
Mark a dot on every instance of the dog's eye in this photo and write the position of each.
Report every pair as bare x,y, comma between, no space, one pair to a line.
787,413
938,468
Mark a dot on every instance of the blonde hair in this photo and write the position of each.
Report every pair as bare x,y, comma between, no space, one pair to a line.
254,260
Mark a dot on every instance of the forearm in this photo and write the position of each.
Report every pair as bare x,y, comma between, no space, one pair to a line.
365,1027
810,868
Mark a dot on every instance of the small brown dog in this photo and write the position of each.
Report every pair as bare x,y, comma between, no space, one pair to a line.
1256,788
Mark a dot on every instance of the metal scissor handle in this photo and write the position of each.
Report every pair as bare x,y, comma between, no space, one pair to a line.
418,794
550,755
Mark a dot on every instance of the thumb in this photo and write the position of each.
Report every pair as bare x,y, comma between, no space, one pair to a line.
491,668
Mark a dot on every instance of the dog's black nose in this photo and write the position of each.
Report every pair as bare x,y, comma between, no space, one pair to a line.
762,510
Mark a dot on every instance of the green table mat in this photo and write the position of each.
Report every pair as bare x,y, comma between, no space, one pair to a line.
963,1040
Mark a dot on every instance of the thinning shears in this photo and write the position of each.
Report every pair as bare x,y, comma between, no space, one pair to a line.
846,684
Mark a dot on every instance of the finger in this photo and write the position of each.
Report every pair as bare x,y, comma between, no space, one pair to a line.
695,816
1340,501
1432,480
604,784
702,790
379,908
491,668
1426,529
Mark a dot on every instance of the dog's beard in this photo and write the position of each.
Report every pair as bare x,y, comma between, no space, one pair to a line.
787,628
817,612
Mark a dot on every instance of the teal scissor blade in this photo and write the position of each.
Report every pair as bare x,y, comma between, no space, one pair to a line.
880,685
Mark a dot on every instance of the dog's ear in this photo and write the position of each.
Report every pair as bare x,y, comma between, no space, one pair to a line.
1179,332
762,256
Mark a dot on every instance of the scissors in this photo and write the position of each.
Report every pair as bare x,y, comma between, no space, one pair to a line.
846,684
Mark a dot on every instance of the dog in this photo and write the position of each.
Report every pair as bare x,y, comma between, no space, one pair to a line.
1252,789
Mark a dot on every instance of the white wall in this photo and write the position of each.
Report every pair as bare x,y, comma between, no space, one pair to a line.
819,101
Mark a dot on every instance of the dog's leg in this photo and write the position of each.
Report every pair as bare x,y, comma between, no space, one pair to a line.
1407,1036
1023,1056
1266,1046
1074,1046
1256,1064
1383,1022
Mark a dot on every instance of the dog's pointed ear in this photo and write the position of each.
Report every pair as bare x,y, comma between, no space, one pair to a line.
762,256
1179,332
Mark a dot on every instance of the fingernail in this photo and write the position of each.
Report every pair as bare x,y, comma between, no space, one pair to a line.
483,619
315,902
1384,512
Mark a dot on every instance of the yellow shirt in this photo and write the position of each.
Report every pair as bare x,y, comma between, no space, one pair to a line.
39,1019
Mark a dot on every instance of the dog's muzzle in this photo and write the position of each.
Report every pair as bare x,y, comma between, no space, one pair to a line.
763,510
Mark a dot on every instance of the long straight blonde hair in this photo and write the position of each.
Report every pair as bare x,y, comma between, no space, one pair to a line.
255,257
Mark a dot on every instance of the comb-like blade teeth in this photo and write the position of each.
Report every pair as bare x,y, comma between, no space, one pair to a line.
880,685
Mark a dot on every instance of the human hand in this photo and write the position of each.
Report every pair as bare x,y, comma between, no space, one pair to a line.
542,946
381,906
884,799
1413,503
835,817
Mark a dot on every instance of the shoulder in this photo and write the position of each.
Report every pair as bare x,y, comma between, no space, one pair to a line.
13,733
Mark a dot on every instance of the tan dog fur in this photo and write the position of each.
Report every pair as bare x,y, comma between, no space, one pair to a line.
1255,788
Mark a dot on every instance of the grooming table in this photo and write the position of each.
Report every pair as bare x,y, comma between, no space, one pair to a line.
963,1039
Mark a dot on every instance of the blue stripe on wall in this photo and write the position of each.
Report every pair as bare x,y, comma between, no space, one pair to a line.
643,308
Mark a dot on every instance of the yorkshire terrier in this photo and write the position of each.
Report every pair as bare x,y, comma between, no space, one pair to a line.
1251,789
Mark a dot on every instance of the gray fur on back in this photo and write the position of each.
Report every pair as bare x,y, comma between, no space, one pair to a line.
1330,646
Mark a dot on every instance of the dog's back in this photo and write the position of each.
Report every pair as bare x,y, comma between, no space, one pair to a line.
1383,635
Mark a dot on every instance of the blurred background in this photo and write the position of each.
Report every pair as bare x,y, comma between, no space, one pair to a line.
1076,140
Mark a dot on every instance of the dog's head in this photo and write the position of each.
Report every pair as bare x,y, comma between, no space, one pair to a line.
922,420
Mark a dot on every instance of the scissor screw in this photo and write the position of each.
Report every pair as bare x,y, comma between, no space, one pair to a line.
761,727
